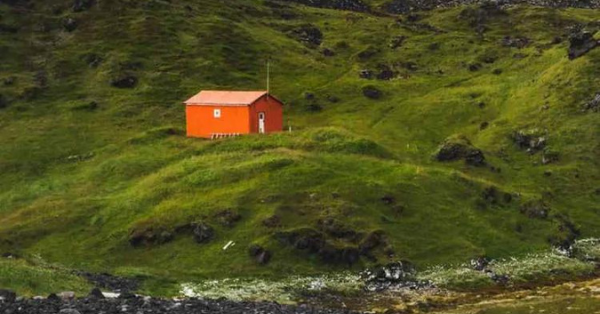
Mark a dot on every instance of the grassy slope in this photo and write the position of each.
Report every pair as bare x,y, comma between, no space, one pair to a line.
79,213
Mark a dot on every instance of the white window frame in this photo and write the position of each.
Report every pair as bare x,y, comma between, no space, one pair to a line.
217,113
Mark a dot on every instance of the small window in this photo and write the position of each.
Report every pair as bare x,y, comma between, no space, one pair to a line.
217,113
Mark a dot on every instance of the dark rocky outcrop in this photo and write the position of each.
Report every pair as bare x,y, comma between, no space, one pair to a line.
308,34
69,24
125,81
7,296
315,242
385,73
400,274
371,92
593,105
202,232
82,5
96,293
149,236
537,209
580,43
227,217
459,147
260,254
518,42
530,140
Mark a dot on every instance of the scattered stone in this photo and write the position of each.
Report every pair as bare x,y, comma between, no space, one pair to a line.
484,125
459,147
480,263
69,24
260,254
126,81
535,209
82,5
228,218
96,293
580,43
518,42
386,73
146,237
473,67
272,222
67,295
69,311
348,5
371,242
308,34
393,276
371,92
54,298
397,41
7,295
328,52
497,71
203,233
593,105
531,140
365,74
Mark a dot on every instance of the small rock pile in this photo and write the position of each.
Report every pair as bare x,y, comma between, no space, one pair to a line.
393,276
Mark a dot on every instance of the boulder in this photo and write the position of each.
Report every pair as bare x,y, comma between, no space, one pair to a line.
593,105
67,295
308,34
82,5
531,140
371,242
385,73
535,209
518,42
203,233
459,147
365,74
580,43
69,24
260,254
480,263
227,217
96,294
7,295
371,92
125,81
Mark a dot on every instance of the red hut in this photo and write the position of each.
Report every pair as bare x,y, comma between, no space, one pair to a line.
214,114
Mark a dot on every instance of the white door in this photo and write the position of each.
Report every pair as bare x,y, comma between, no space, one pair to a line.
261,122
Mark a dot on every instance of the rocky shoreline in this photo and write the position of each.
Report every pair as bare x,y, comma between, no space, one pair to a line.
98,302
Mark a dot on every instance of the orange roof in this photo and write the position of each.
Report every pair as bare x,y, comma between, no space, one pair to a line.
231,98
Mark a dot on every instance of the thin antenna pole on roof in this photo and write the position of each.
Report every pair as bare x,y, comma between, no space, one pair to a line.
268,75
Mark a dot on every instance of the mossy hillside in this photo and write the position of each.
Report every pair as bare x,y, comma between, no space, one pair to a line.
80,178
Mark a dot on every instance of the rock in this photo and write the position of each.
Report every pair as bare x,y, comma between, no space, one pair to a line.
67,295
479,263
371,92
260,254
203,233
401,274
459,147
371,242
397,6
535,209
126,81
69,24
54,298
580,43
3,101
7,295
474,67
367,53
146,237
531,140
82,5
228,218
497,71
518,42
96,293
365,74
397,41
593,105
328,52
484,125
127,295
332,99
386,73
272,222
9,81
308,34
69,311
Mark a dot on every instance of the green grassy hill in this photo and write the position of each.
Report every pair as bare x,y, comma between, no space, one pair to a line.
88,167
